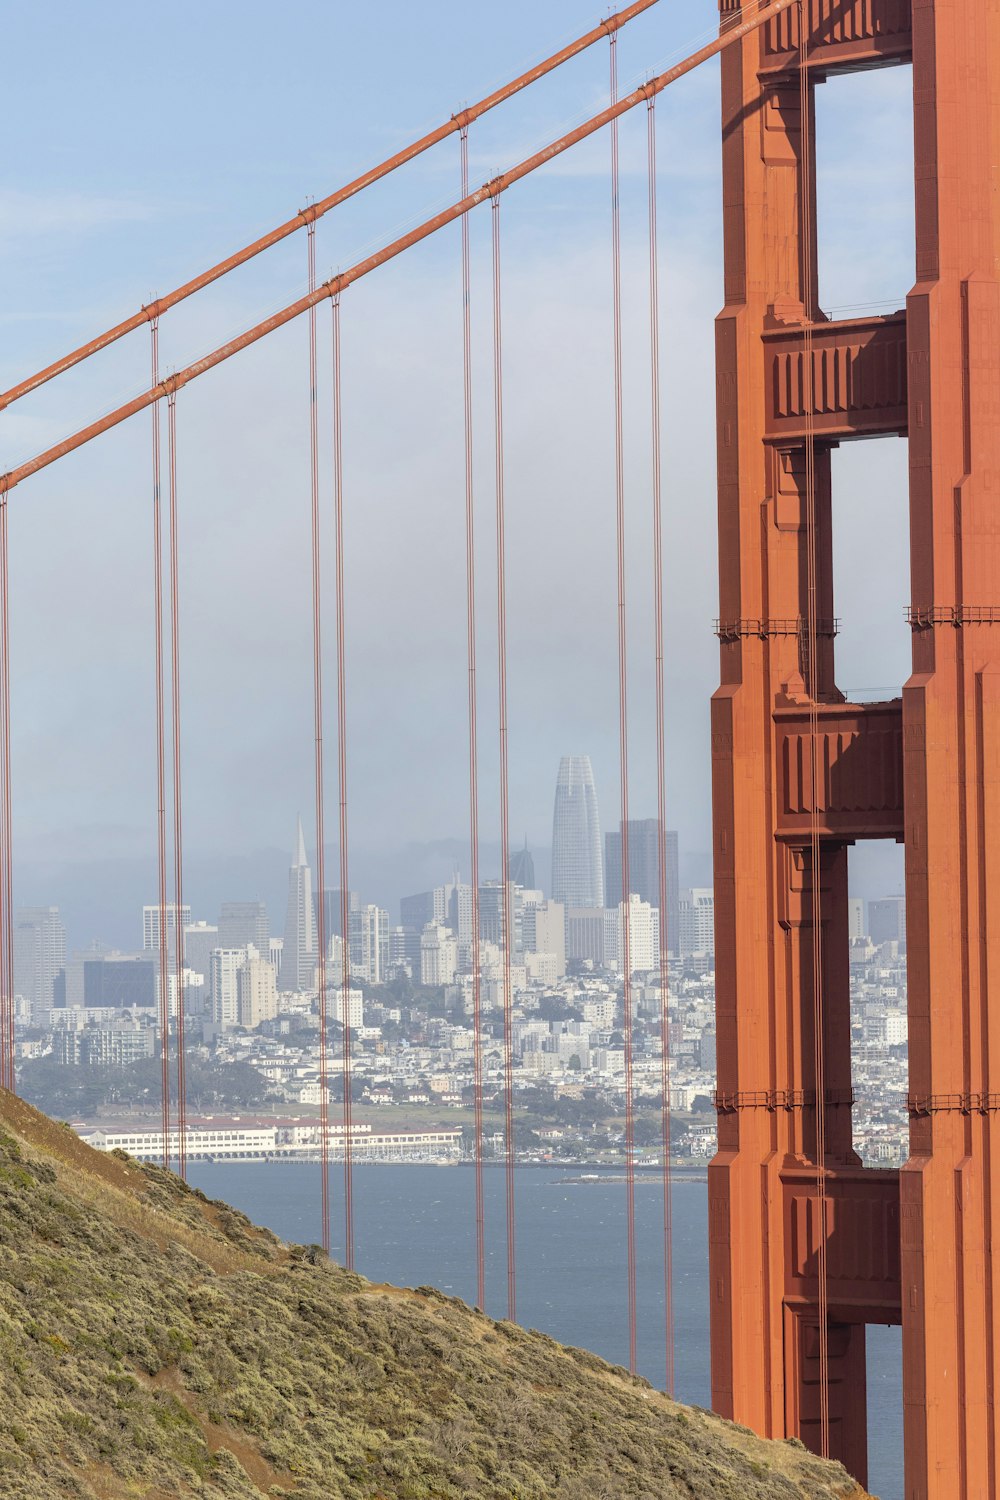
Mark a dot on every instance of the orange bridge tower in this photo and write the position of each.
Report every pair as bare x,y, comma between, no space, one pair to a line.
807,1246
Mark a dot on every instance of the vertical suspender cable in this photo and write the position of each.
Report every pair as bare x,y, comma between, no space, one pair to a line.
317,656
508,1025
175,719
661,756
161,811
470,613
345,990
625,923
813,688
6,809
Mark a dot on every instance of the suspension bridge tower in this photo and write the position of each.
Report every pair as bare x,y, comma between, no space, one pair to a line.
807,1246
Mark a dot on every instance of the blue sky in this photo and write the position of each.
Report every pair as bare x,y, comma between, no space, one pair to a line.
142,143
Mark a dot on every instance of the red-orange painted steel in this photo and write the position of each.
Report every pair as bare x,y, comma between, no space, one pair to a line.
786,1188
344,279
951,752
806,1247
316,211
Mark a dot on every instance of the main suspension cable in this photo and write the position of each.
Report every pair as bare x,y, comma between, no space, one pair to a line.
508,935
339,283
338,508
813,689
470,615
317,663
626,909
161,810
175,719
457,122
661,754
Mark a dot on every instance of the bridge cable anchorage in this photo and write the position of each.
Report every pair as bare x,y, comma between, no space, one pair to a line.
317,210
339,283
345,960
661,755
508,1006
626,881
813,680
175,720
317,665
470,614
161,810
9,1078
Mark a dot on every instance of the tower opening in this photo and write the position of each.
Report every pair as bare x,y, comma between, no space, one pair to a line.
864,191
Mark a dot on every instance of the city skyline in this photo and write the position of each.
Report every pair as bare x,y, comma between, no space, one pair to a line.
108,917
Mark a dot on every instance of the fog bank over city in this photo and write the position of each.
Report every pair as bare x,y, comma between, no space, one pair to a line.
82,656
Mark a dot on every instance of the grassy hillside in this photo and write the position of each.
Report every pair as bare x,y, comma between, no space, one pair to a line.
155,1344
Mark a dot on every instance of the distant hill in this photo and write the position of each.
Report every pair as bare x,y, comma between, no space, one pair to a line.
155,1344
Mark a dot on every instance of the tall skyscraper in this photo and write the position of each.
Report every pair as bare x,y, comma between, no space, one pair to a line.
242,923
151,926
226,966
256,990
643,936
887,920
119,982
644,870
577,875
857,927
39,955
438,954
491,915
298,956
333,912
543,930
416,911
697,923
200,940
521,869
369,943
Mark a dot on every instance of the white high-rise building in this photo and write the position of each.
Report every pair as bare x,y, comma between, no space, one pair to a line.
544,931
256,989
298,956
459,919
697,923
354,1007
151,926
577,865
226,966
194,987
438,954
643,936
369,950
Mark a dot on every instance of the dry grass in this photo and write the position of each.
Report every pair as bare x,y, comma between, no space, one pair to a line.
156,1345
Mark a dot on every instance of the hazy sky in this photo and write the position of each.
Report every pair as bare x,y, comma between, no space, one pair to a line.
141,144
